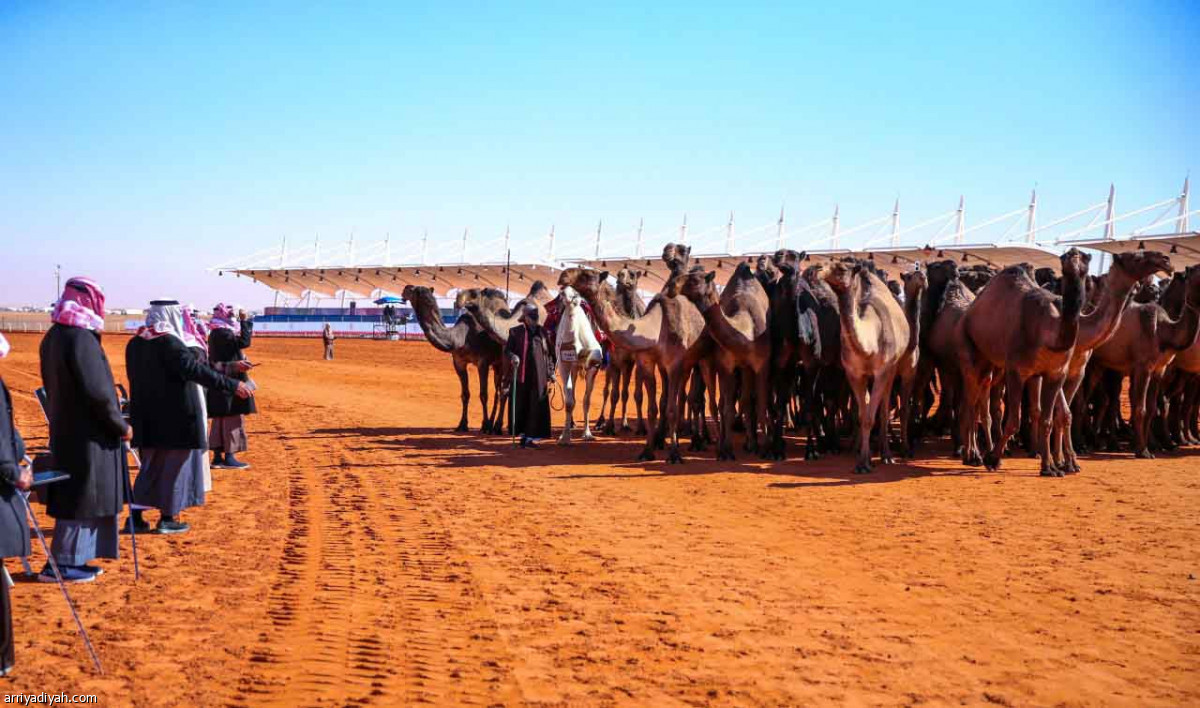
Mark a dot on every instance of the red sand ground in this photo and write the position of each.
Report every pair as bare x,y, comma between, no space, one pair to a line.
373,557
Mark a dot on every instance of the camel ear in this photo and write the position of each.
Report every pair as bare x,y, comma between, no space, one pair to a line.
687,250
603,276
712,275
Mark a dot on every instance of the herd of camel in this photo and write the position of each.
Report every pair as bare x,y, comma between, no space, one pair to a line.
1011,357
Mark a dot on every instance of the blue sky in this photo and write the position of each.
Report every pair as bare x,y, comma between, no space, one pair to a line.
143,142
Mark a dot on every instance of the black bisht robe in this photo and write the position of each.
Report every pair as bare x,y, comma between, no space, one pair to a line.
85,426
223,347
531,381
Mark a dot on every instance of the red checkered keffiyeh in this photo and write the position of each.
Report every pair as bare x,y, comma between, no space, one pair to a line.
81,305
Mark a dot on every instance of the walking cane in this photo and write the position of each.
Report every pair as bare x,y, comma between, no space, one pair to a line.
62,585
512,408
137,573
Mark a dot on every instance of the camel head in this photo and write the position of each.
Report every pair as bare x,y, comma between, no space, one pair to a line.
466,297
939,273
1140,265
570,297
1147,291
915,283
697,286
413,293
586,281
627,278
1075,264
677,256
1047,278
1192,278
812,274
788,261
841,275
765,269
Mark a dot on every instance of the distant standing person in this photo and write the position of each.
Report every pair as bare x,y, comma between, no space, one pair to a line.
167,411
86,432
327,336
227,341
14,528
528,352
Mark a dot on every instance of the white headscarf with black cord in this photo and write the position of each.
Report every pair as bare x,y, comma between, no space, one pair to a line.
164,319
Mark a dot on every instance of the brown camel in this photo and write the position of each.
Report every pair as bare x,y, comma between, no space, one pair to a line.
670,336
1144,345
623,364
468,344
915,283
492,312
1017,328
875,337
797,346
737,322
944,303
1097,326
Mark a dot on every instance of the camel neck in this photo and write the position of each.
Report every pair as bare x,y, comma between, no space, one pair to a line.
1097,326
848,312
1072,306
719,326
1181,332
443,338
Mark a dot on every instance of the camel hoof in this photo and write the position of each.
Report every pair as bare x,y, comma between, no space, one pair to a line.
674,458
646,456
887,460
862,468
609,429
564,441
462,428
1048,473
991,462
626,428
812,455
1144,455
587,435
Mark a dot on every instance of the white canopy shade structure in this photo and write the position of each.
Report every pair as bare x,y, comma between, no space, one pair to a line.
1017,238
1184,248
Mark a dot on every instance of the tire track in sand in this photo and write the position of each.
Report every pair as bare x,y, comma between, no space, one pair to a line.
366,606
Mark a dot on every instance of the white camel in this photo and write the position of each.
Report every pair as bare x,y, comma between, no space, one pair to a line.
579,353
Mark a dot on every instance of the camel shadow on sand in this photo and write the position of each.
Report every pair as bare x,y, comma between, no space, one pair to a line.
447,449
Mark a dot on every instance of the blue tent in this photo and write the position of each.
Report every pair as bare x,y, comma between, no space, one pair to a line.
389,300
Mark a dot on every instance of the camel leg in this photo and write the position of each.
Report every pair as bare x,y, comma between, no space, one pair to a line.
725,419
610,397
762,389
858,385
651,417
907,387
880,407
1154,423
485,426
1138,388
1191,420
566,374
1051,389
608,380
1065,448
1032,420
589,382
1014,389
674,400
709,373
465,391
626,375
968,416
644,382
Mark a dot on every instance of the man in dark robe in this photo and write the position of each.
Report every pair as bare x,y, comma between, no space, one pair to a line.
529,356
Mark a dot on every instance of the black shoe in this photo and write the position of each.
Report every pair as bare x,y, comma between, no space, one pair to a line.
169,527
139,526
218,461
233,463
